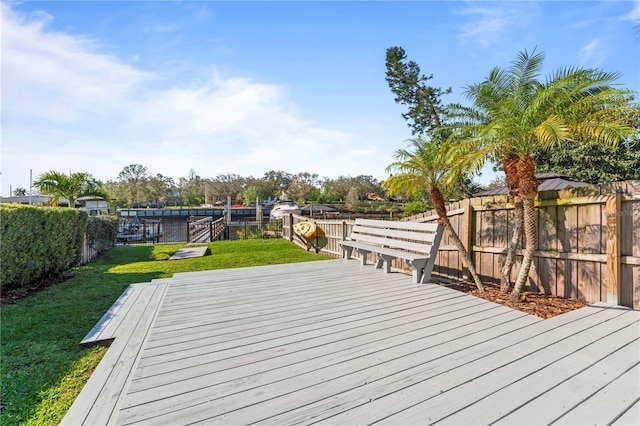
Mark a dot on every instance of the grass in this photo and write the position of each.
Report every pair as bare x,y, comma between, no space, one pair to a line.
43,368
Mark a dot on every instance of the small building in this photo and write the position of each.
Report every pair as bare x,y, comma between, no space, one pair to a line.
320,210
546,182
94,206
27,199
91,204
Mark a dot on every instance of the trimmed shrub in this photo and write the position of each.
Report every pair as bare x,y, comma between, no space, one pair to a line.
38,243
102,232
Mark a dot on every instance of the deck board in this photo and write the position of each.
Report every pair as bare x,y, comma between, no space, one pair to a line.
340,343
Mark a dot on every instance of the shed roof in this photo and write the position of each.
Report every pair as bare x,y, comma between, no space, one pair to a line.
546,182
317,208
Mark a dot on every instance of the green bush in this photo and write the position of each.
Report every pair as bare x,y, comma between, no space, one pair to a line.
414,207
38,243
102,232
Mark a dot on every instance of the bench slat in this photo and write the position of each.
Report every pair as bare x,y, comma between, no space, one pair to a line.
415,226
384,250
395,233
381,241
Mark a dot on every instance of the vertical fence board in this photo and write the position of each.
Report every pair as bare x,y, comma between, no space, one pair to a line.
547,228
500,224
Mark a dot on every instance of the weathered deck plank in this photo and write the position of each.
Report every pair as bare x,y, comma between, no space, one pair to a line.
337,343
98,401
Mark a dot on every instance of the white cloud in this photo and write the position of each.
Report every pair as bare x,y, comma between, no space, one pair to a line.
488,22
68,106
634,15
162,28
590,52
53,76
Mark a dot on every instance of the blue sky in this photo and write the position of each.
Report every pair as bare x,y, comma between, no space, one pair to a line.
248,87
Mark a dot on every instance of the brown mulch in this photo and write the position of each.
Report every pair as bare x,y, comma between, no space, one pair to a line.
534,303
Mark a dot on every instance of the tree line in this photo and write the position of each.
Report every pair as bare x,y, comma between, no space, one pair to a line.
135,186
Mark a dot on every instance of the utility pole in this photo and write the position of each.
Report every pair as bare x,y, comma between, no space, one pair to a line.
30,184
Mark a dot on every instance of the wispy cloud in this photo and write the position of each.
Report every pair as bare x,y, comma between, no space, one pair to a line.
68,106
162,28
488,22
634,15
56,77
590,53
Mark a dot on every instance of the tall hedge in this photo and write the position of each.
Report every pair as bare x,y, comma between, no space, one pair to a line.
102,232
38,242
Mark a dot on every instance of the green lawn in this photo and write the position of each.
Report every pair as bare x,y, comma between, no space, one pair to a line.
43,368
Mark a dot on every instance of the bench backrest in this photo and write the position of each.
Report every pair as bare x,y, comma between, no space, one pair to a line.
411,236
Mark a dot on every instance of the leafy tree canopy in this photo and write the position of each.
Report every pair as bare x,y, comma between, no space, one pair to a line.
411,89
592,162
71,186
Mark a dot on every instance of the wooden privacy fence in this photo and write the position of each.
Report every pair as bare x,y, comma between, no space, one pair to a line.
588,245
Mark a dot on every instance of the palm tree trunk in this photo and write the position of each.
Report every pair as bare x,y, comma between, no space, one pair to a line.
528,190
518,218
441,210
510,166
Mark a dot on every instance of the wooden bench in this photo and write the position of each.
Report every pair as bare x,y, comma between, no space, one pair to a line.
416,243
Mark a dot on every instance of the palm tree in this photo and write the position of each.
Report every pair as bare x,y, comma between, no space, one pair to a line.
436,167
514,114
71,187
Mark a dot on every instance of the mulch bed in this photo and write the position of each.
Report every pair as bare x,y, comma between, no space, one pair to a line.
534,303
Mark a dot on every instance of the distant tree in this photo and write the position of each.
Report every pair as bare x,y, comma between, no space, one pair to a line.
118,192
264,189
160,188
426,115
71,186
223,186
411,88
277,182
414,207
193,189
135,176
301,186
363,185
592,162
19,192
497,182
351,201
250,194
314,195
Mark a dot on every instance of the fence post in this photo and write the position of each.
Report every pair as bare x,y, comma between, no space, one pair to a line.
467,237
211,230
290,226
613,208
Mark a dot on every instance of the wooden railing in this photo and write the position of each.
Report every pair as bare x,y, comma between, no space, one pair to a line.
205,230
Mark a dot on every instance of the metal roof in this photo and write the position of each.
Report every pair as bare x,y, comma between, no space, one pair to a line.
546,182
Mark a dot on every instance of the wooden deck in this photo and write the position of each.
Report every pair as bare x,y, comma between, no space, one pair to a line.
335,342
